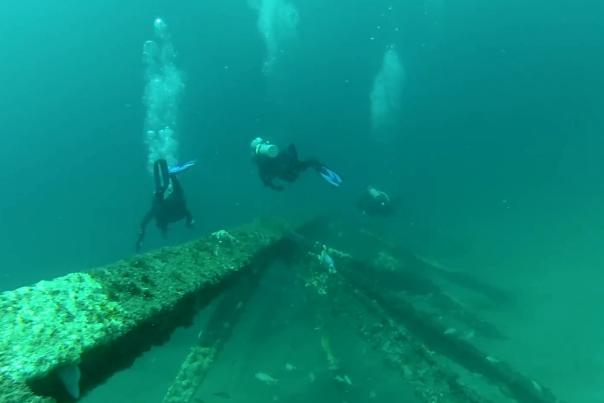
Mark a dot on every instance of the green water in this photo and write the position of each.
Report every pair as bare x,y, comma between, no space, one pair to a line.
494,144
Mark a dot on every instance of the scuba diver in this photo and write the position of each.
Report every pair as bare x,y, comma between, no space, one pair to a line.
284,165
375,202
169,204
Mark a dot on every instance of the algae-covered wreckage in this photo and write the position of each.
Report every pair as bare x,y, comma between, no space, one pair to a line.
62,338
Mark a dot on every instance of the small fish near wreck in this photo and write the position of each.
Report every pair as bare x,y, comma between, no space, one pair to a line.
265,378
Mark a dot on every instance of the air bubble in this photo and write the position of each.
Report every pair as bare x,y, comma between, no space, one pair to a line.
150,48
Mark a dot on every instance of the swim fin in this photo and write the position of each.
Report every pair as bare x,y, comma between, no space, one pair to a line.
161,176
175,170
330,176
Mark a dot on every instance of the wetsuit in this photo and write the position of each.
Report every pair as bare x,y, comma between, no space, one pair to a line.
285,167
165,210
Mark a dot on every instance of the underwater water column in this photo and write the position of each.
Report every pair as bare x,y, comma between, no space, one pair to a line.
435,8
385,96
277,23
164,86
435,11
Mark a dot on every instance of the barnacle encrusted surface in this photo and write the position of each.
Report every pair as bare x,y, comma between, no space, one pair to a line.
52,322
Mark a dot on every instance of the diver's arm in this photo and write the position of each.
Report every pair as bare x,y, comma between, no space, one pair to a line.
271,185
268,182
142,229
394,205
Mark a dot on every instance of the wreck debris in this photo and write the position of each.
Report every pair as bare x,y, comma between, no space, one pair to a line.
107,317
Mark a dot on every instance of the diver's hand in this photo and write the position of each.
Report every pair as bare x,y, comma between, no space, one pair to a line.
269,184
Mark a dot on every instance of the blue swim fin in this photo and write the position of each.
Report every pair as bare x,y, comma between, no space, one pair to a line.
330,176
175,170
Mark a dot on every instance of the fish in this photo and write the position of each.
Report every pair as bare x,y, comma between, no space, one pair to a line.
265,378
343,379
224,395
450,330
327,261
537,387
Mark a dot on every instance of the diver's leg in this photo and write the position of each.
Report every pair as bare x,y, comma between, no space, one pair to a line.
310,163
142,230
148,217
178,195
301,166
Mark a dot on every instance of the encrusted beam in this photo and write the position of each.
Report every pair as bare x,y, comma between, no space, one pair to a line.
73,332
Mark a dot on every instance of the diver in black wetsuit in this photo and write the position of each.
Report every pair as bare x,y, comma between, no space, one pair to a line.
165,209
375,202
285,165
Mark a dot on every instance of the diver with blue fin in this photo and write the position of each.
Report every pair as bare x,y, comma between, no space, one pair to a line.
169,204
284,165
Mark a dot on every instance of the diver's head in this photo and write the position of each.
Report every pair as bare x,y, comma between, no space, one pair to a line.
373,192
261,147
378,195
